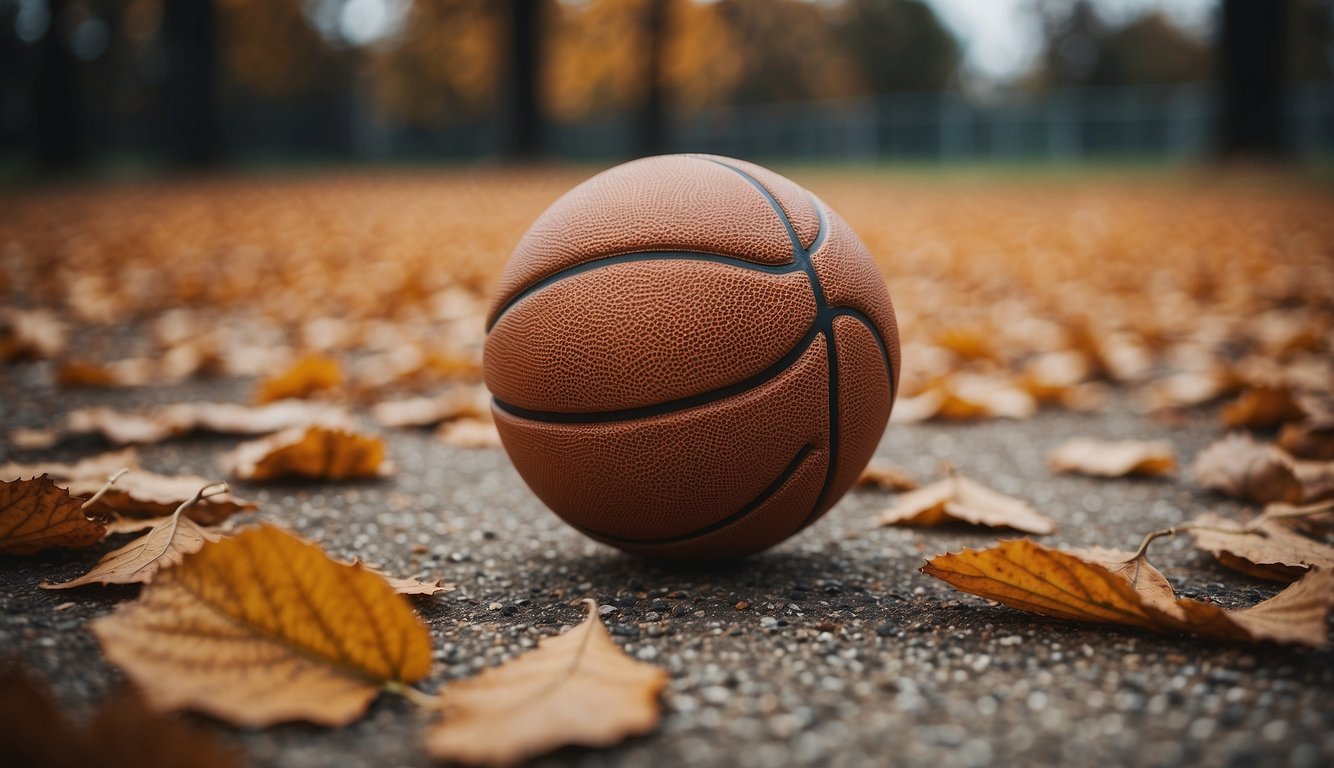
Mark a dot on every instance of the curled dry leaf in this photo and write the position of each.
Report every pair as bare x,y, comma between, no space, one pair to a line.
1317,479
102,465
1102,587
1112,458
262,628
958,499
122,732
407,586
36,514
36,334
470,433
1262,406
577,688
1313,439
1240,467
165,544
316,452
459,402
1267,550
119,427
306,377
886,477
966,397
126,428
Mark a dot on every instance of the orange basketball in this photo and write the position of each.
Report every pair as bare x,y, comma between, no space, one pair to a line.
692,357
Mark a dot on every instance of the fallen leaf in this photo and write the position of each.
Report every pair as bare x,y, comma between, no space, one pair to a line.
165,544
306,377
1317,479
102,465
126,428
36,334
122,732
417,587
36,514
1112,458
25,439
316,452
1240,467
1313,439
459,402
886,477
1184,389
79,373
958,499
1102,588
469,433
1269,550
1262,406
119,427
262,628
578,688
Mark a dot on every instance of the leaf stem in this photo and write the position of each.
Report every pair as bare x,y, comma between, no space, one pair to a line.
423,700
96,497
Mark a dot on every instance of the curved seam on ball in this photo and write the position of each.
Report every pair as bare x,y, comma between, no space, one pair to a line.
769,492
865,320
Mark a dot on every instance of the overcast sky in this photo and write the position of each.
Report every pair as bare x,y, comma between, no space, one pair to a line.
1000,37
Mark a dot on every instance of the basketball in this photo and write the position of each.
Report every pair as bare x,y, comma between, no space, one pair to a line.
691,357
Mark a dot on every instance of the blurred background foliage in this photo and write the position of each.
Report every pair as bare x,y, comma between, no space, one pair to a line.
201,81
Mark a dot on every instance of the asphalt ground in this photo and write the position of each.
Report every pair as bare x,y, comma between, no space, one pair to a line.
845,655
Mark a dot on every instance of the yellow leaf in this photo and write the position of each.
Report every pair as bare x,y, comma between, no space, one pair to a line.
309,375
958,499
263,628
1239,466
1118,458
577,688
35,515
316,452
1101,587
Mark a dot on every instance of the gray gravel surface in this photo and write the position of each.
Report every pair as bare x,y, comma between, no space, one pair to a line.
845,655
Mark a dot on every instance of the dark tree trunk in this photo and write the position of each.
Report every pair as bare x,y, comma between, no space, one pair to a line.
653,114
190,38
58,111
1250,51
525,129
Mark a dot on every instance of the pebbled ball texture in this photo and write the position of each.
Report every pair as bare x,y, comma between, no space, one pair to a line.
691,356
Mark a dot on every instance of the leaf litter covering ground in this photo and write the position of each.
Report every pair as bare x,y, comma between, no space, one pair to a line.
360,299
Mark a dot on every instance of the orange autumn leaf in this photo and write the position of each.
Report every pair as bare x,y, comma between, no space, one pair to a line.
36,514
1312,439
578,688
1266,550
1112,458
1262,406
320,453
886,477
958,499
1102,586
165,544
262,628
308,376
1242,468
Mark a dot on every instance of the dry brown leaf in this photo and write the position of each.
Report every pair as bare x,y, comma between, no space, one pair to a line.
966,397
578,688
306,377
316,452
469,433
958,499
1184,389
119,427
1317,479
1243,468
262,628
80,373
166,544
36,514
886,477
125,428
36,334
1262,406
1050,377
460,402
1313,439
1113,458
101,466
1269,550
123,732
1102,587
26,439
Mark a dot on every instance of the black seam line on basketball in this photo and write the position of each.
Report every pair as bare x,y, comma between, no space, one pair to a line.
864,319
824,319
735,517
680,404
637,256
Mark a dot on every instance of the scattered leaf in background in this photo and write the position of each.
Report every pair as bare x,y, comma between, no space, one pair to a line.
1113,458
35,515
119,427
1317,479
1102,587
101,466
469,433
262,628
1262,406
956,499
79,373
35,334
1238,466
456,403
317,453
127,428
885,476
1312,439
1266,549
165,544
123,732
578,688
310,375
26,439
